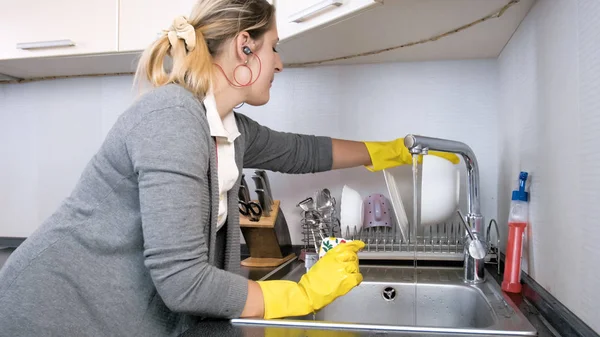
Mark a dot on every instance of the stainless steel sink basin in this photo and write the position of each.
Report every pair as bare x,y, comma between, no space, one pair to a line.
385,301
393,303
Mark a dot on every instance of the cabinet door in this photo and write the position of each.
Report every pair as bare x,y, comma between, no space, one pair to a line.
30,28
295,17
141,21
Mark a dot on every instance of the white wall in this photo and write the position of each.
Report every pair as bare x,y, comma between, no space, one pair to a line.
49,130
549,125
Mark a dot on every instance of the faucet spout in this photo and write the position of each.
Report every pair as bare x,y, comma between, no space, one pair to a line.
421,145
474,271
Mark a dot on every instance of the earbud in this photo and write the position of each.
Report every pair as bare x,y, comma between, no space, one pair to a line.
247,50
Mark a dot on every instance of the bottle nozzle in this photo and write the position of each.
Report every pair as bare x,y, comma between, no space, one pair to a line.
522,181
520,194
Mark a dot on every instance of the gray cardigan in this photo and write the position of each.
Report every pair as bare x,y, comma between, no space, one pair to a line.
133,250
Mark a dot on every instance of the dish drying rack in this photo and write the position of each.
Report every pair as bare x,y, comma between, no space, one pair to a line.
440,242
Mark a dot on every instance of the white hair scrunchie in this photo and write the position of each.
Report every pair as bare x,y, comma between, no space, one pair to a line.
181,29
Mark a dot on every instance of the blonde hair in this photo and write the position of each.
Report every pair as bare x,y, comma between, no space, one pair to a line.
214,22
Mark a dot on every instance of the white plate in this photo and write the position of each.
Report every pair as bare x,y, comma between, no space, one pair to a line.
397,204
351,210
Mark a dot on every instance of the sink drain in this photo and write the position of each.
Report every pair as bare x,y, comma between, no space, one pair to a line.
388,294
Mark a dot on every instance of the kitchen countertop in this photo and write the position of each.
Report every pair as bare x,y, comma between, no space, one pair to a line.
4,254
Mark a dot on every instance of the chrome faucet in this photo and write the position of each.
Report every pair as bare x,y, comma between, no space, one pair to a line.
473,268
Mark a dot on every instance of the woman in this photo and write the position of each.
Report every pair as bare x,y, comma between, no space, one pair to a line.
148,242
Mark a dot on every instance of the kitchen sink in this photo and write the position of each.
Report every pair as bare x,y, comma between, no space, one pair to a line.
393,303
423,299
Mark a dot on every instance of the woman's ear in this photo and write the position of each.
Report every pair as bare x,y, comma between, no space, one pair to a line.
243,40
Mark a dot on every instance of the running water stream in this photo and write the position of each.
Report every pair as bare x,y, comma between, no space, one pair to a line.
415,223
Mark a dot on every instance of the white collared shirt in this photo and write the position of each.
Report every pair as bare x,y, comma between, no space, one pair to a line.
225,131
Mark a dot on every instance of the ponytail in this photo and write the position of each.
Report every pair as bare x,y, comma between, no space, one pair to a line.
191,61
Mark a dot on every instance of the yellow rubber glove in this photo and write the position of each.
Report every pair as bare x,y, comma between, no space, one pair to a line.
334,275
394,153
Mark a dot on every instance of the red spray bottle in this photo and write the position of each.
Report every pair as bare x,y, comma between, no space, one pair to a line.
517,221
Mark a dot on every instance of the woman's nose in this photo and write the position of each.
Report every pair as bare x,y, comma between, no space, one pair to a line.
278,64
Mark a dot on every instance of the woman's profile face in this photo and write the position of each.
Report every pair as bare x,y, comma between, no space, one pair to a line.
259,92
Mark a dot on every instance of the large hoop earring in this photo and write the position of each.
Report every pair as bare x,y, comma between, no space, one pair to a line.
245,65
239,85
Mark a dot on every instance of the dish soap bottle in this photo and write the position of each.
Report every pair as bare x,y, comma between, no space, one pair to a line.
517,221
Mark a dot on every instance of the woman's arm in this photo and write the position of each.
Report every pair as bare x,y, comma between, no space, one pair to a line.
282,151
169,152
255,303
296,153
347,153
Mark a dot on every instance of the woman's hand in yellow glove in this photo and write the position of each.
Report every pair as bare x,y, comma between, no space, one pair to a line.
394,153
334,275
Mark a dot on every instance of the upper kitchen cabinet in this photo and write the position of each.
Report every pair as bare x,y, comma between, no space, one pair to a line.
141,21
404,30
107,35
33,28
295,17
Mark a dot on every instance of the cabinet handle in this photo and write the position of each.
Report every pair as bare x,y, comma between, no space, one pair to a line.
303,14
45,44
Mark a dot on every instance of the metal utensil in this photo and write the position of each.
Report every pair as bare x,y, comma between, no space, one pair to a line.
262,199
325,204
313,215
315,240
324,230
307,204
327,197
324,200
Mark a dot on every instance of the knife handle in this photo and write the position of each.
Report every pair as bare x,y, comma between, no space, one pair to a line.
260,185
246,189
263,174
244,194
264,202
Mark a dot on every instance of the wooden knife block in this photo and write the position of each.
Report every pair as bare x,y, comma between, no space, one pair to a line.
261,239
